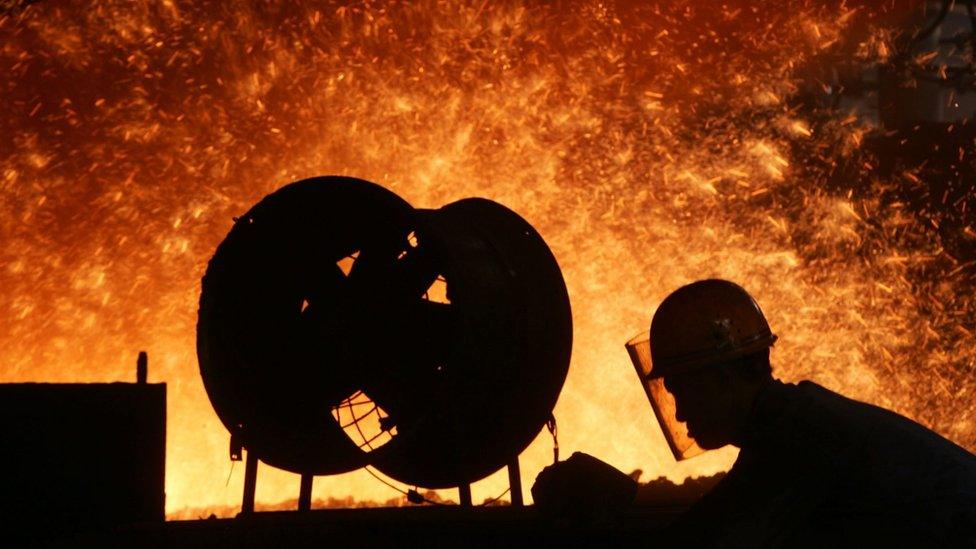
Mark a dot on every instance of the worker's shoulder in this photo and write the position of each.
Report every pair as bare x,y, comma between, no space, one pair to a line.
841,412
804,408
856,423
808,394
805,415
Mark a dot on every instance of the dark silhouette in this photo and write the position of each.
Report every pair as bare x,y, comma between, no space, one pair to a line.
80,458
333,301
815,468
582,488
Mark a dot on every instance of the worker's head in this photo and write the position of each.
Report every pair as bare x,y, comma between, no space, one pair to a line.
705,360
711,401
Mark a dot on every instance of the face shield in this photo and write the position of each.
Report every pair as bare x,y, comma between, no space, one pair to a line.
682,445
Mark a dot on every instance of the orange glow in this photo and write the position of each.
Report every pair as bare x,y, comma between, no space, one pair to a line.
650,147
360,418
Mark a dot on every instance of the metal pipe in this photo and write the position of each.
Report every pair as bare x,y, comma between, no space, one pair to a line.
142,367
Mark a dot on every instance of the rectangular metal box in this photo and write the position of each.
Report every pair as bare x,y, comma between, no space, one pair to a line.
81,457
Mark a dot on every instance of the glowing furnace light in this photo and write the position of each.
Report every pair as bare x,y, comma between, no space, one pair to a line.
532,126
438,291
347,262
364,422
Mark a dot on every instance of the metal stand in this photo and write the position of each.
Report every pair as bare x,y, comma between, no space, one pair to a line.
305,488
250,483
305,493
515,482
464,491
514,486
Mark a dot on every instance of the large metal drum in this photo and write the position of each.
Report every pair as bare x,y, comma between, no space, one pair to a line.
340,327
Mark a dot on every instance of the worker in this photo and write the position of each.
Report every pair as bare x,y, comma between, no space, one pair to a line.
814,468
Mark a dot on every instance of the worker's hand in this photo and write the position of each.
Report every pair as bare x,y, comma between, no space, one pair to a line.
582,488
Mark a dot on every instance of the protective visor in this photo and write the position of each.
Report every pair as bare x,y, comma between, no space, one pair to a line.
682,445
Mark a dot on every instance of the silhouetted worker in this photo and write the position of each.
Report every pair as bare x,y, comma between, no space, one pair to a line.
814,467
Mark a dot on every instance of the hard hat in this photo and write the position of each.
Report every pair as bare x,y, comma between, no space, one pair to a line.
705,323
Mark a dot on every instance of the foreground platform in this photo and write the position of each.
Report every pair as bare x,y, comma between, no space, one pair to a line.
413,526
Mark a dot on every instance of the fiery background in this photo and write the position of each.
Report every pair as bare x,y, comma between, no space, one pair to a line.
651,144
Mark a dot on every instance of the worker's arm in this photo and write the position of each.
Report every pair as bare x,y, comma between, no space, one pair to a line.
765,499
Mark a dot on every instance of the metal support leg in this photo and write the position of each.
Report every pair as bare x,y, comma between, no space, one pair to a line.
515,482
464,491
250,482
305,493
